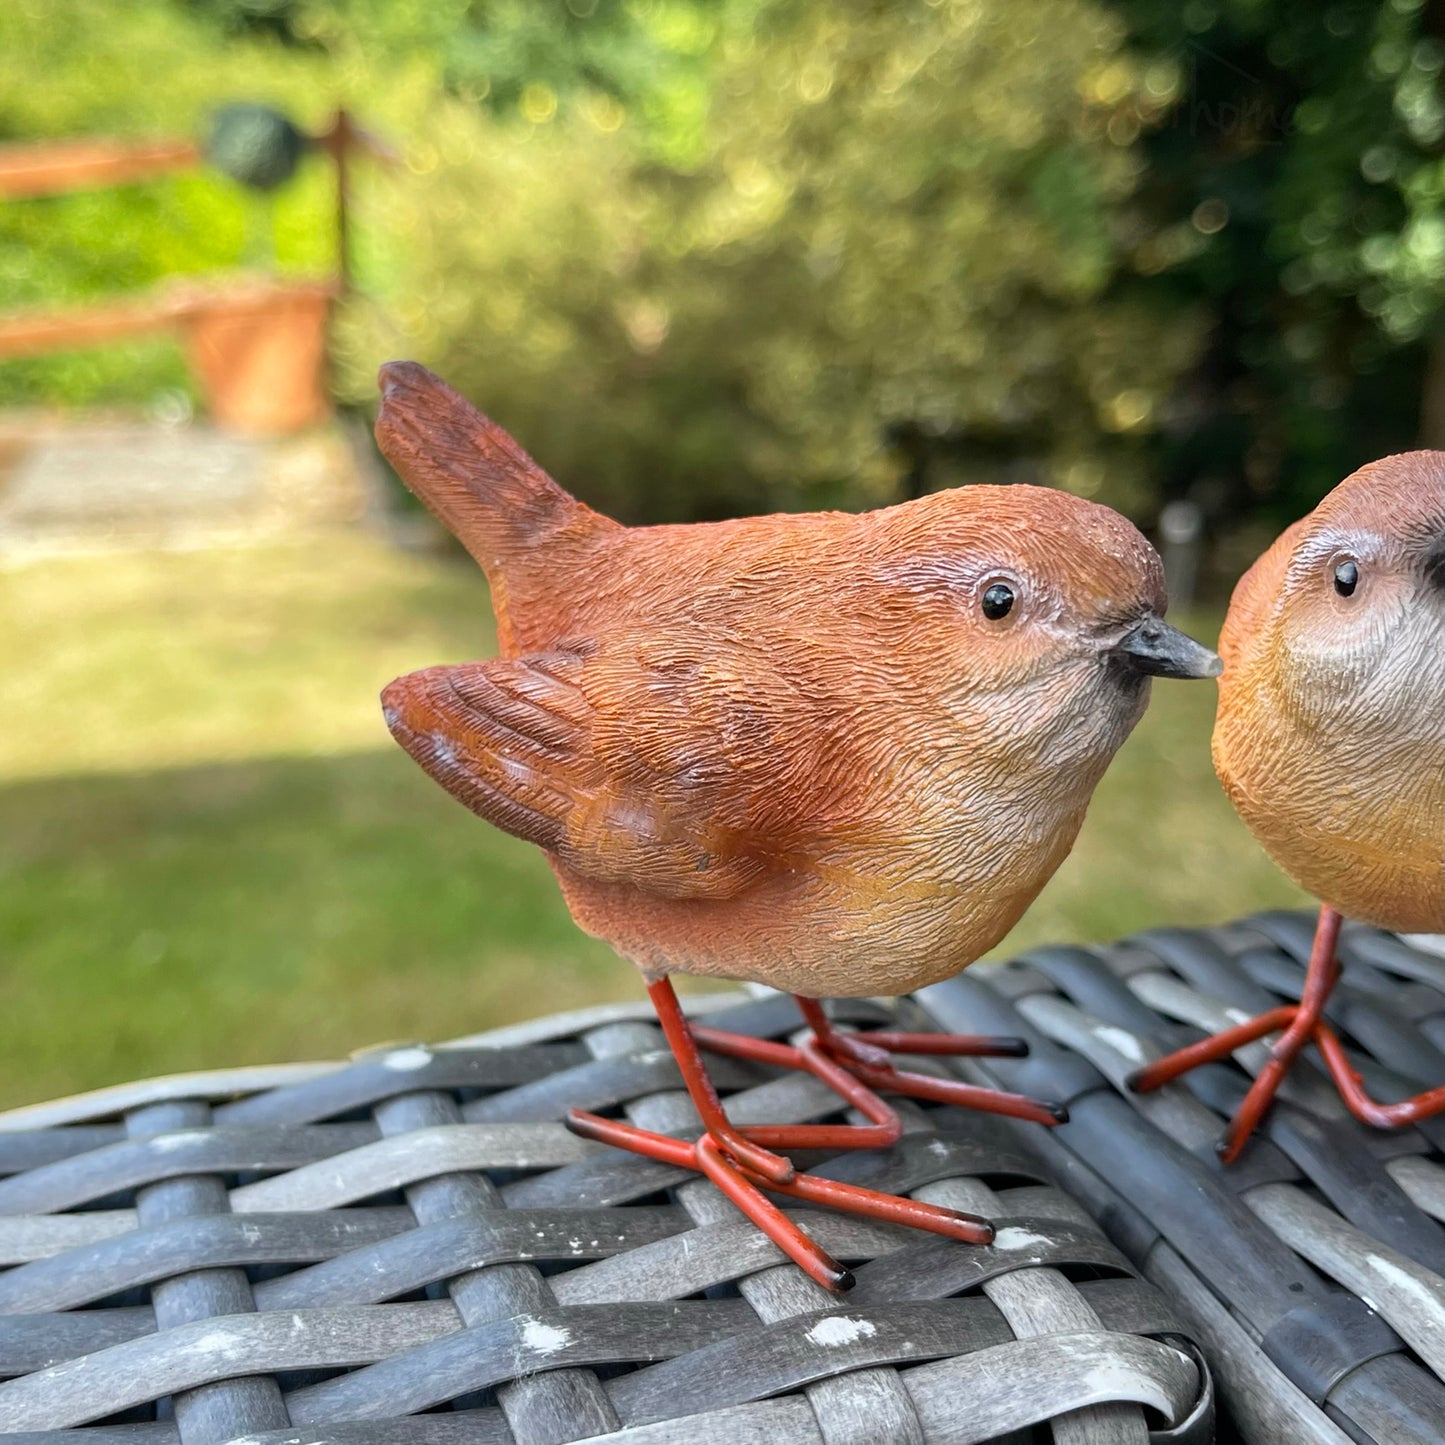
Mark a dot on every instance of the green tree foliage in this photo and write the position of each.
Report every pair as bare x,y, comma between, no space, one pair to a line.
706,256
1300,191
890,262
518,56
160,67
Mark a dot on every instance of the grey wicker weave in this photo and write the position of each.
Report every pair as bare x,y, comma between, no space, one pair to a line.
411,1248
1311,1270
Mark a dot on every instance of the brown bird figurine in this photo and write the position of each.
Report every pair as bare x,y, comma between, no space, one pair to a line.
1330,741
832,753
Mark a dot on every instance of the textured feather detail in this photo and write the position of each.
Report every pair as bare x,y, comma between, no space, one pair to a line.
617,793
474,476
504,738
1256,594
476,480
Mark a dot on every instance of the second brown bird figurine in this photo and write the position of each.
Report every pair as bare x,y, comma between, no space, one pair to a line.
832,753
1330,741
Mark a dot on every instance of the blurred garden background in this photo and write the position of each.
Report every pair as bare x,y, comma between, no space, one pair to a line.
703,257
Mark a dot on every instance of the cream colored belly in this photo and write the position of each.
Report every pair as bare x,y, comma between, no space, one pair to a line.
1370,844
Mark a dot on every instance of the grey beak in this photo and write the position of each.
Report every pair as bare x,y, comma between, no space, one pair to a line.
1152,646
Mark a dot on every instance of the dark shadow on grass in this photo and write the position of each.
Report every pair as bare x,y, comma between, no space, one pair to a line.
285,908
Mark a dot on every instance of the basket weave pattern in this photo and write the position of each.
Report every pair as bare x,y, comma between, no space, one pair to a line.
345,1248
410,1247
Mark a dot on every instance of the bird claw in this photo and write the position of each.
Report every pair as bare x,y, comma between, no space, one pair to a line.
845,1062
740,1160
955,1092
709,1157
1298,1024
883,1042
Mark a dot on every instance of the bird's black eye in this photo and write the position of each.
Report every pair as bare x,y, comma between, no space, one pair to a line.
998,601
1347,578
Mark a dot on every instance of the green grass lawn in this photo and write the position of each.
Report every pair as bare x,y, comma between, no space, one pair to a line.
212,853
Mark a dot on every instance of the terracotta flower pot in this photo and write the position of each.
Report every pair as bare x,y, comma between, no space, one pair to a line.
259,356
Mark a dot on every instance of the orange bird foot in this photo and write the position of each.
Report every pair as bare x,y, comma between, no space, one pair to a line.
743,1161
1299,1024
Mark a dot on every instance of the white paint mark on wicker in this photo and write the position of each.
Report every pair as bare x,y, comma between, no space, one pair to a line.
405,1061
1012,1237
841,1330
545,1339
1426,942
182,1139
214,1344
1399,1279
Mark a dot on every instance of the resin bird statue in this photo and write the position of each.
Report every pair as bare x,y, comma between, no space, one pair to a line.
1330,741
838,754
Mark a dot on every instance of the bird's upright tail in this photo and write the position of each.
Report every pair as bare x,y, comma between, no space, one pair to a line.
477,481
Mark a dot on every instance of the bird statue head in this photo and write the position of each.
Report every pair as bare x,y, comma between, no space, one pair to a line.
1342,618
1031,605
1330,742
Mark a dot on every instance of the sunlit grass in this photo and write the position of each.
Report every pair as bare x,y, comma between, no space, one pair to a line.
211,852
153,660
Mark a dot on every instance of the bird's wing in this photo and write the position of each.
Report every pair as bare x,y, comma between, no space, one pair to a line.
508,739
644,762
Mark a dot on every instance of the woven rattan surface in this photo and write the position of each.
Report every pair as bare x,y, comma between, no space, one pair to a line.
1311,1270
410,1246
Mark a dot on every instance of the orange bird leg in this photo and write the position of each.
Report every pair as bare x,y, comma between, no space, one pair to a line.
1300,1023
1359,1103
866,1057
857,1065
740,1162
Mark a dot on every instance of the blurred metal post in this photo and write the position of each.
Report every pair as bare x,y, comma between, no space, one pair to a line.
338,140
1181,528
